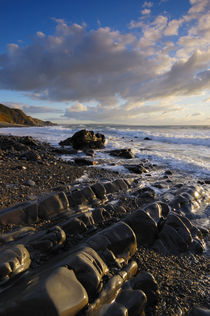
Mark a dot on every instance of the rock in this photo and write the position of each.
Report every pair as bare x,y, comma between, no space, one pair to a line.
114,309
30,183
58,293
154,210
88,152
14,260
133,300
119,238
199,311
52,205
31,156
89,268
99,190
23,213
111,187
144,227
81,196
73,226
85,140
146,194
83,162
147,138
122,153
146,282
168,172
139,169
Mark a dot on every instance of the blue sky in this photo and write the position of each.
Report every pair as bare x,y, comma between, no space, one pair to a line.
134,62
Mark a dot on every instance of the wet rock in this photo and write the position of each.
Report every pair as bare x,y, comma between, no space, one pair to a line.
100,215
121,184
14,260
119,238
52,205
114,309
89,268
133,300
81,196
23,213
199,311
122,153
144,227
110,187
73,226
88,152
65,151
30,183
51,240
146,282
154,210
99,190
30,155
147,194
83,162
85,139
139,169
58,293
147,138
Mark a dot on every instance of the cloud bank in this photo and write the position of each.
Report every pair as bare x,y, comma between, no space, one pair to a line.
108,74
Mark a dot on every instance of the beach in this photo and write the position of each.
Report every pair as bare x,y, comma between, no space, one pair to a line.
103,190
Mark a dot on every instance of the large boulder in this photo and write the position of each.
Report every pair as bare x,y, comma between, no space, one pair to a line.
85,140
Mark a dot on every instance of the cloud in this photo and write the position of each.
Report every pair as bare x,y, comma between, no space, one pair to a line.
32,109
145,11
107,74
147,4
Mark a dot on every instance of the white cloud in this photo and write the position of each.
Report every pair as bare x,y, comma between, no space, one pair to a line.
147,4
145,11
32,109
104,66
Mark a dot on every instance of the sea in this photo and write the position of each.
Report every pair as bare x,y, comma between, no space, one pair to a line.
182,148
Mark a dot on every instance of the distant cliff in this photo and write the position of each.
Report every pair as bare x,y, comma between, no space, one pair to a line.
18,117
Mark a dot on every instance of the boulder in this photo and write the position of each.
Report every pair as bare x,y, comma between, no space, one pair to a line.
122,153
52,205
13,261
133,300
58,293
143,226
85,140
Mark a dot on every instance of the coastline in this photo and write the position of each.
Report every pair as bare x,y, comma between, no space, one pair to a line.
182,279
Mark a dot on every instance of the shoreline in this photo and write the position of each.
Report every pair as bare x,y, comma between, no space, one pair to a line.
182,279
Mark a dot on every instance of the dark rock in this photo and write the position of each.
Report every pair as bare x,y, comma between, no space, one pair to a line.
133,300
168,172
111,187
146,282
119,238
13,261
139,169
83,162
114,309
73,226
85,139
31,156
51,240
52,205
154,210
89,268
56,293
200,311
146,194
30,183
147,138
99,190
23,213
144,227
79,197
65,151
122,153
121,184
88,152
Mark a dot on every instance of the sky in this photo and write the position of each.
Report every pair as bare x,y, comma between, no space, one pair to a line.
107,61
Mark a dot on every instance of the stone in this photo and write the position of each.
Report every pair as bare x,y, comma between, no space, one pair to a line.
57,293
122,153
146,194
31,156
100,215
53,239
146,282
81,196
147,138
114,309
14,260
89,268
119,238
85,139
111,187
143,226
133,300
139,169
73,226
52,205
200,311
83,162
30,183
154,210
121,184
20,214
99,190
